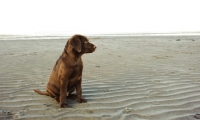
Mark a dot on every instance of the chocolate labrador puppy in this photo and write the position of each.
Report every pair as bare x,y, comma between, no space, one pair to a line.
66,75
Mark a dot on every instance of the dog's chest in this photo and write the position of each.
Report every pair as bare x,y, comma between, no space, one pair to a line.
76,67
76,73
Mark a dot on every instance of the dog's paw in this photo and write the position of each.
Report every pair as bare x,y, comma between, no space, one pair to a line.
82,100
64,105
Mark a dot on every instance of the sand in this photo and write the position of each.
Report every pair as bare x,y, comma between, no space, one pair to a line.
126,78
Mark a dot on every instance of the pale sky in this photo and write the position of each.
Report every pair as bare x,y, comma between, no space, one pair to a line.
98,16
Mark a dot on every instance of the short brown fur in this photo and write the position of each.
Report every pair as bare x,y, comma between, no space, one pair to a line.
66,75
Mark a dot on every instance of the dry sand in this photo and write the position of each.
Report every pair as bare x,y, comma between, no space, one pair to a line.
126,78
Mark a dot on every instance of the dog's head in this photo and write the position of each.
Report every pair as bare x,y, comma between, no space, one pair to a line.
81,44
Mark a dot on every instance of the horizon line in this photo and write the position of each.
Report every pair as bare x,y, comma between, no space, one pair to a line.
107,34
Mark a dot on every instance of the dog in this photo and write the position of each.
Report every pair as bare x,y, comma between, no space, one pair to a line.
66,76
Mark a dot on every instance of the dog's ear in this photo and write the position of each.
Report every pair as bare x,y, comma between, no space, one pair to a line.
75,42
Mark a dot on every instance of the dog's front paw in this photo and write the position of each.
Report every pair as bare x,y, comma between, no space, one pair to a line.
82,100
64,105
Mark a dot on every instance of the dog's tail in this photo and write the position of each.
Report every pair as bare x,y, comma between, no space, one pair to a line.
41,93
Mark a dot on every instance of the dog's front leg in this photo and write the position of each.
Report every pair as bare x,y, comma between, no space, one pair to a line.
79,93
63,91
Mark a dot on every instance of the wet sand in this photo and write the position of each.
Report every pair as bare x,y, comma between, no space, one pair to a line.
126,78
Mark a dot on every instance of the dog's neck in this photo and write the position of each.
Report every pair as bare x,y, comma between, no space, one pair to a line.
71,53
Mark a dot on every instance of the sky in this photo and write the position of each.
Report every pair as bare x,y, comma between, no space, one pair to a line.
98,16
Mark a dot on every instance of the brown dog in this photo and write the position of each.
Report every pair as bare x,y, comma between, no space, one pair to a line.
66,75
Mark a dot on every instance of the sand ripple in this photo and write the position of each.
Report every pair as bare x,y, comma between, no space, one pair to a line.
127,78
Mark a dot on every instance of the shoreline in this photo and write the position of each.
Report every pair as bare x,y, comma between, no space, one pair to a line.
42,37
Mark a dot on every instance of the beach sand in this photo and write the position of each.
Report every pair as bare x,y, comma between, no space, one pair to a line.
126,78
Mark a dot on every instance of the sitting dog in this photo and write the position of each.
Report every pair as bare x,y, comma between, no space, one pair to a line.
66,75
